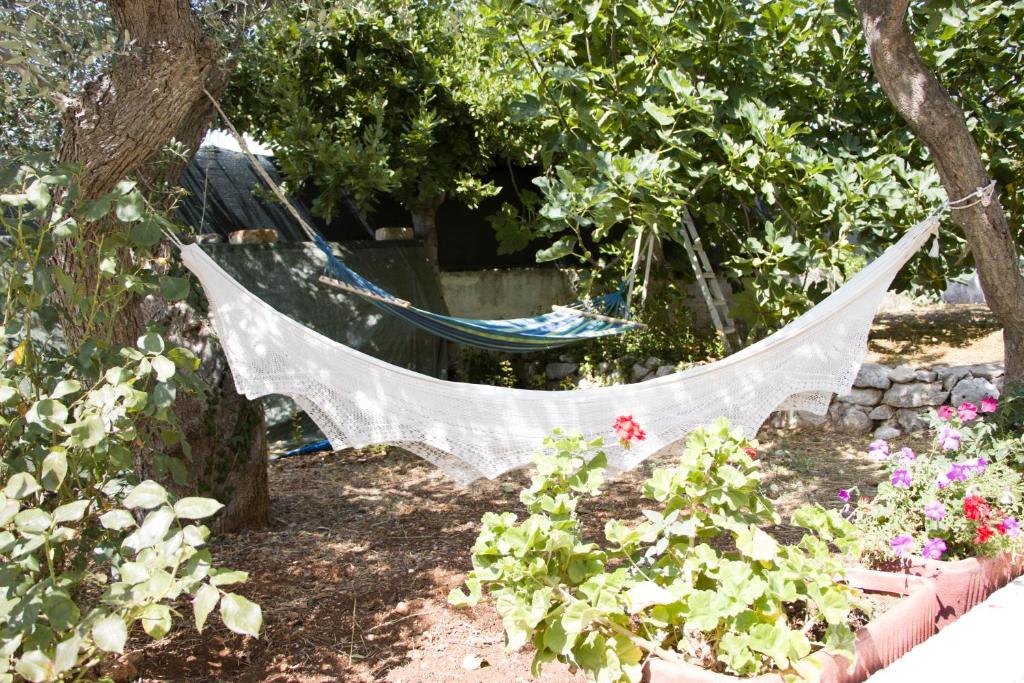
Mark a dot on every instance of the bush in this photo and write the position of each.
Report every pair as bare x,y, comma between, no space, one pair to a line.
698,578
961,499
88,550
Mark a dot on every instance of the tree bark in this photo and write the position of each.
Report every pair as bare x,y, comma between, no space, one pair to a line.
936,119
424,227
119,126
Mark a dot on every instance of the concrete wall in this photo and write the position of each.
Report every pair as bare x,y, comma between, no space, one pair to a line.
515,293
521,292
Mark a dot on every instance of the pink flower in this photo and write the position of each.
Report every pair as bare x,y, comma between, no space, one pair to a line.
907,455
878,450
942,481
933,548
958,472
949,438
627,429
934,510
967,411
989,405
902,545
945,412
844,495
1008,527
901,479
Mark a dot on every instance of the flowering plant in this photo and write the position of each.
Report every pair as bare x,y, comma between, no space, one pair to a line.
697,579
952,502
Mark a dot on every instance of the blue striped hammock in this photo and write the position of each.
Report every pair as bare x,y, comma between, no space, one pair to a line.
597,317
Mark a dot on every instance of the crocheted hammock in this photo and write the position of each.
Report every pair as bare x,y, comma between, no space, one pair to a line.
471,431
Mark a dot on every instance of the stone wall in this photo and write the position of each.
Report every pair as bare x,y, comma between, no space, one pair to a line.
884,401
889,402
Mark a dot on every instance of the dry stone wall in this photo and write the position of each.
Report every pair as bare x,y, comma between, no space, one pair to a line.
885,401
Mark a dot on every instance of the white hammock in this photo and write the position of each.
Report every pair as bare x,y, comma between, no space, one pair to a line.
471,431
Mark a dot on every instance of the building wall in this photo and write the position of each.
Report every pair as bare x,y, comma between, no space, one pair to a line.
513,293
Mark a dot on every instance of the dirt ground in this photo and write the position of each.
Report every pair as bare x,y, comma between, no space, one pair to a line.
354,572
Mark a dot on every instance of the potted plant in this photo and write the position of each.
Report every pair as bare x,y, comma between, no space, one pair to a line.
696,588
951,514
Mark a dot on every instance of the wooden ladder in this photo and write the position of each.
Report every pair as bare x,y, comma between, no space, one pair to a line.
710,288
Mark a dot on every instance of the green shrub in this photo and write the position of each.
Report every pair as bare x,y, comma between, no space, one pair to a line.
88,551
698,578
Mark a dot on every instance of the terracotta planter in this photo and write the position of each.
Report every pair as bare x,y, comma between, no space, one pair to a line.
962,584
906,623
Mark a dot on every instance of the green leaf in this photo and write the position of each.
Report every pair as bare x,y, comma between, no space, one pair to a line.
88,432
226,577
54,469
50,413
241,615
173,288
663,116
35,666
32,521
156,620
151,343
110,634
130,207
561,248
38,194
756,544
203,603
145,234
66,655
146,495
196,508
163,367
61,611
71,512
21,485
117,519
65,387
153,529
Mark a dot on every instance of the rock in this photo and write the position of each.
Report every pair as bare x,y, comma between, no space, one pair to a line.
862,397
402,607
260,236
902,373
950,376
910,421
665,370
925,376
472,662
604,368
560,370
887,431
639,372
973,389
882,412
854,420
565,358
874,376
653,362
987,370
915,395
805,418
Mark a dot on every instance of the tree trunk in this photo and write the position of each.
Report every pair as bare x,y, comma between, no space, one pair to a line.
119,126
939,123
424,226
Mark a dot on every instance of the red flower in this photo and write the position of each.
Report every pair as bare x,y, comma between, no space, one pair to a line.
1001,527
976,508
627,429
750,452
984,533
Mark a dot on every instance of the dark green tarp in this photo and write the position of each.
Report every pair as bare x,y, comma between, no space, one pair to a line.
285,275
